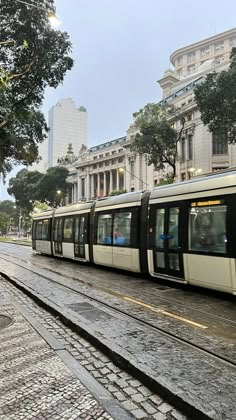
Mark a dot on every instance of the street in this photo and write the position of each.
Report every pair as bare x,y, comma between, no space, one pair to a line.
156,348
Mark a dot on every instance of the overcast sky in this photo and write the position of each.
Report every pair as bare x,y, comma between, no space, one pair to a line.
121,48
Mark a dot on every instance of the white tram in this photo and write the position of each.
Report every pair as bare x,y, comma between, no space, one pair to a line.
184,232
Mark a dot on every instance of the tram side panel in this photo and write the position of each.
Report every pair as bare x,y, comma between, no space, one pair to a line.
70,236
116,237
198,235
41,235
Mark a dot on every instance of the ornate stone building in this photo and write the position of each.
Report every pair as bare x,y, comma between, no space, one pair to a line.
110,166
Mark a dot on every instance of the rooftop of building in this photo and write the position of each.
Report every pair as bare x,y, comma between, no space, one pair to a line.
110,143
201,43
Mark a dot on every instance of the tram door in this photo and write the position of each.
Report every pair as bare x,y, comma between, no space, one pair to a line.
58,224
80,236
168,257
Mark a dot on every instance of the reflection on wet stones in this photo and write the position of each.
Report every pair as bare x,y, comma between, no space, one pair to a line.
5,321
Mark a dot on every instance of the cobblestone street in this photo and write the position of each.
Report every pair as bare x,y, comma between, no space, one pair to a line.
74,399
34,382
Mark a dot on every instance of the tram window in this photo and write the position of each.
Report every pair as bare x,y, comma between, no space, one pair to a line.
174,227
80,229
159,233
45,226
68,229
207,229
104,234
122,228
39,230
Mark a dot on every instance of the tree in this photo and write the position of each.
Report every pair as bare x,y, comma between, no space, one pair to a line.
32,57
29,187
24,187
117,192
156,136
216,100
4,223
53,187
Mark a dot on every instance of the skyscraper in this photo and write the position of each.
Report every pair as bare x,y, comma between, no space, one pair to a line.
67,124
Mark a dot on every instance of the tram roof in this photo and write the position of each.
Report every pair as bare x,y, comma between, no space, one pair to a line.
127,198
199,184
43,214
72,208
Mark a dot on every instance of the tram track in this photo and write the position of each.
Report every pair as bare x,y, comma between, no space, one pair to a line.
93,285
119,311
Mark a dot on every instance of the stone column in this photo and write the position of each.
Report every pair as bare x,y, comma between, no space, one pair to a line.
87,187
104,185
98,189
79,189
111,184
92,186
117,179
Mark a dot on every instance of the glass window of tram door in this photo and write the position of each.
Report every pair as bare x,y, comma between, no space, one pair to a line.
57,235
80,235
167,253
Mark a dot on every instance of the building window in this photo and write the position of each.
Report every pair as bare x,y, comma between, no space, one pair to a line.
183,176
190,147
190,57
107,154
113,152
100,156
191,69
155,182
120,160
107,163
204,52
179,61
219,46
218,146
95,157
183,149
190,116
120,150
232,42
94,166
100,165
113,161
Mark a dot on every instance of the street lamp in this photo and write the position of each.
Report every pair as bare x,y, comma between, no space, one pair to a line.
53,19
122,170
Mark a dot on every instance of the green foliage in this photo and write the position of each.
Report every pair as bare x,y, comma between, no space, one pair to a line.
216,100
156,136
24,187
29,187
4,223
53,187
166,180
32,57
118,192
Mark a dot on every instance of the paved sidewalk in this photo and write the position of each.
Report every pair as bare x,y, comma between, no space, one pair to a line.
34,382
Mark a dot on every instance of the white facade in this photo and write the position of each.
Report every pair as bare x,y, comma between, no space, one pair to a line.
98,171
198,151
67,124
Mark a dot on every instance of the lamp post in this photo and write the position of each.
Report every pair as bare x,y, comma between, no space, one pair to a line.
53,19
123,170
20,224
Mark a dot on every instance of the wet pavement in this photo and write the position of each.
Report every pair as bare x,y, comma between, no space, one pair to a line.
191,378
34,381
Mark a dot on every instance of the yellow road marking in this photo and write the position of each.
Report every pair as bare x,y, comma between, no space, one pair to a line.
162,312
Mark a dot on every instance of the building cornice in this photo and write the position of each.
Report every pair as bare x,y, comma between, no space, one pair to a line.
202,43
